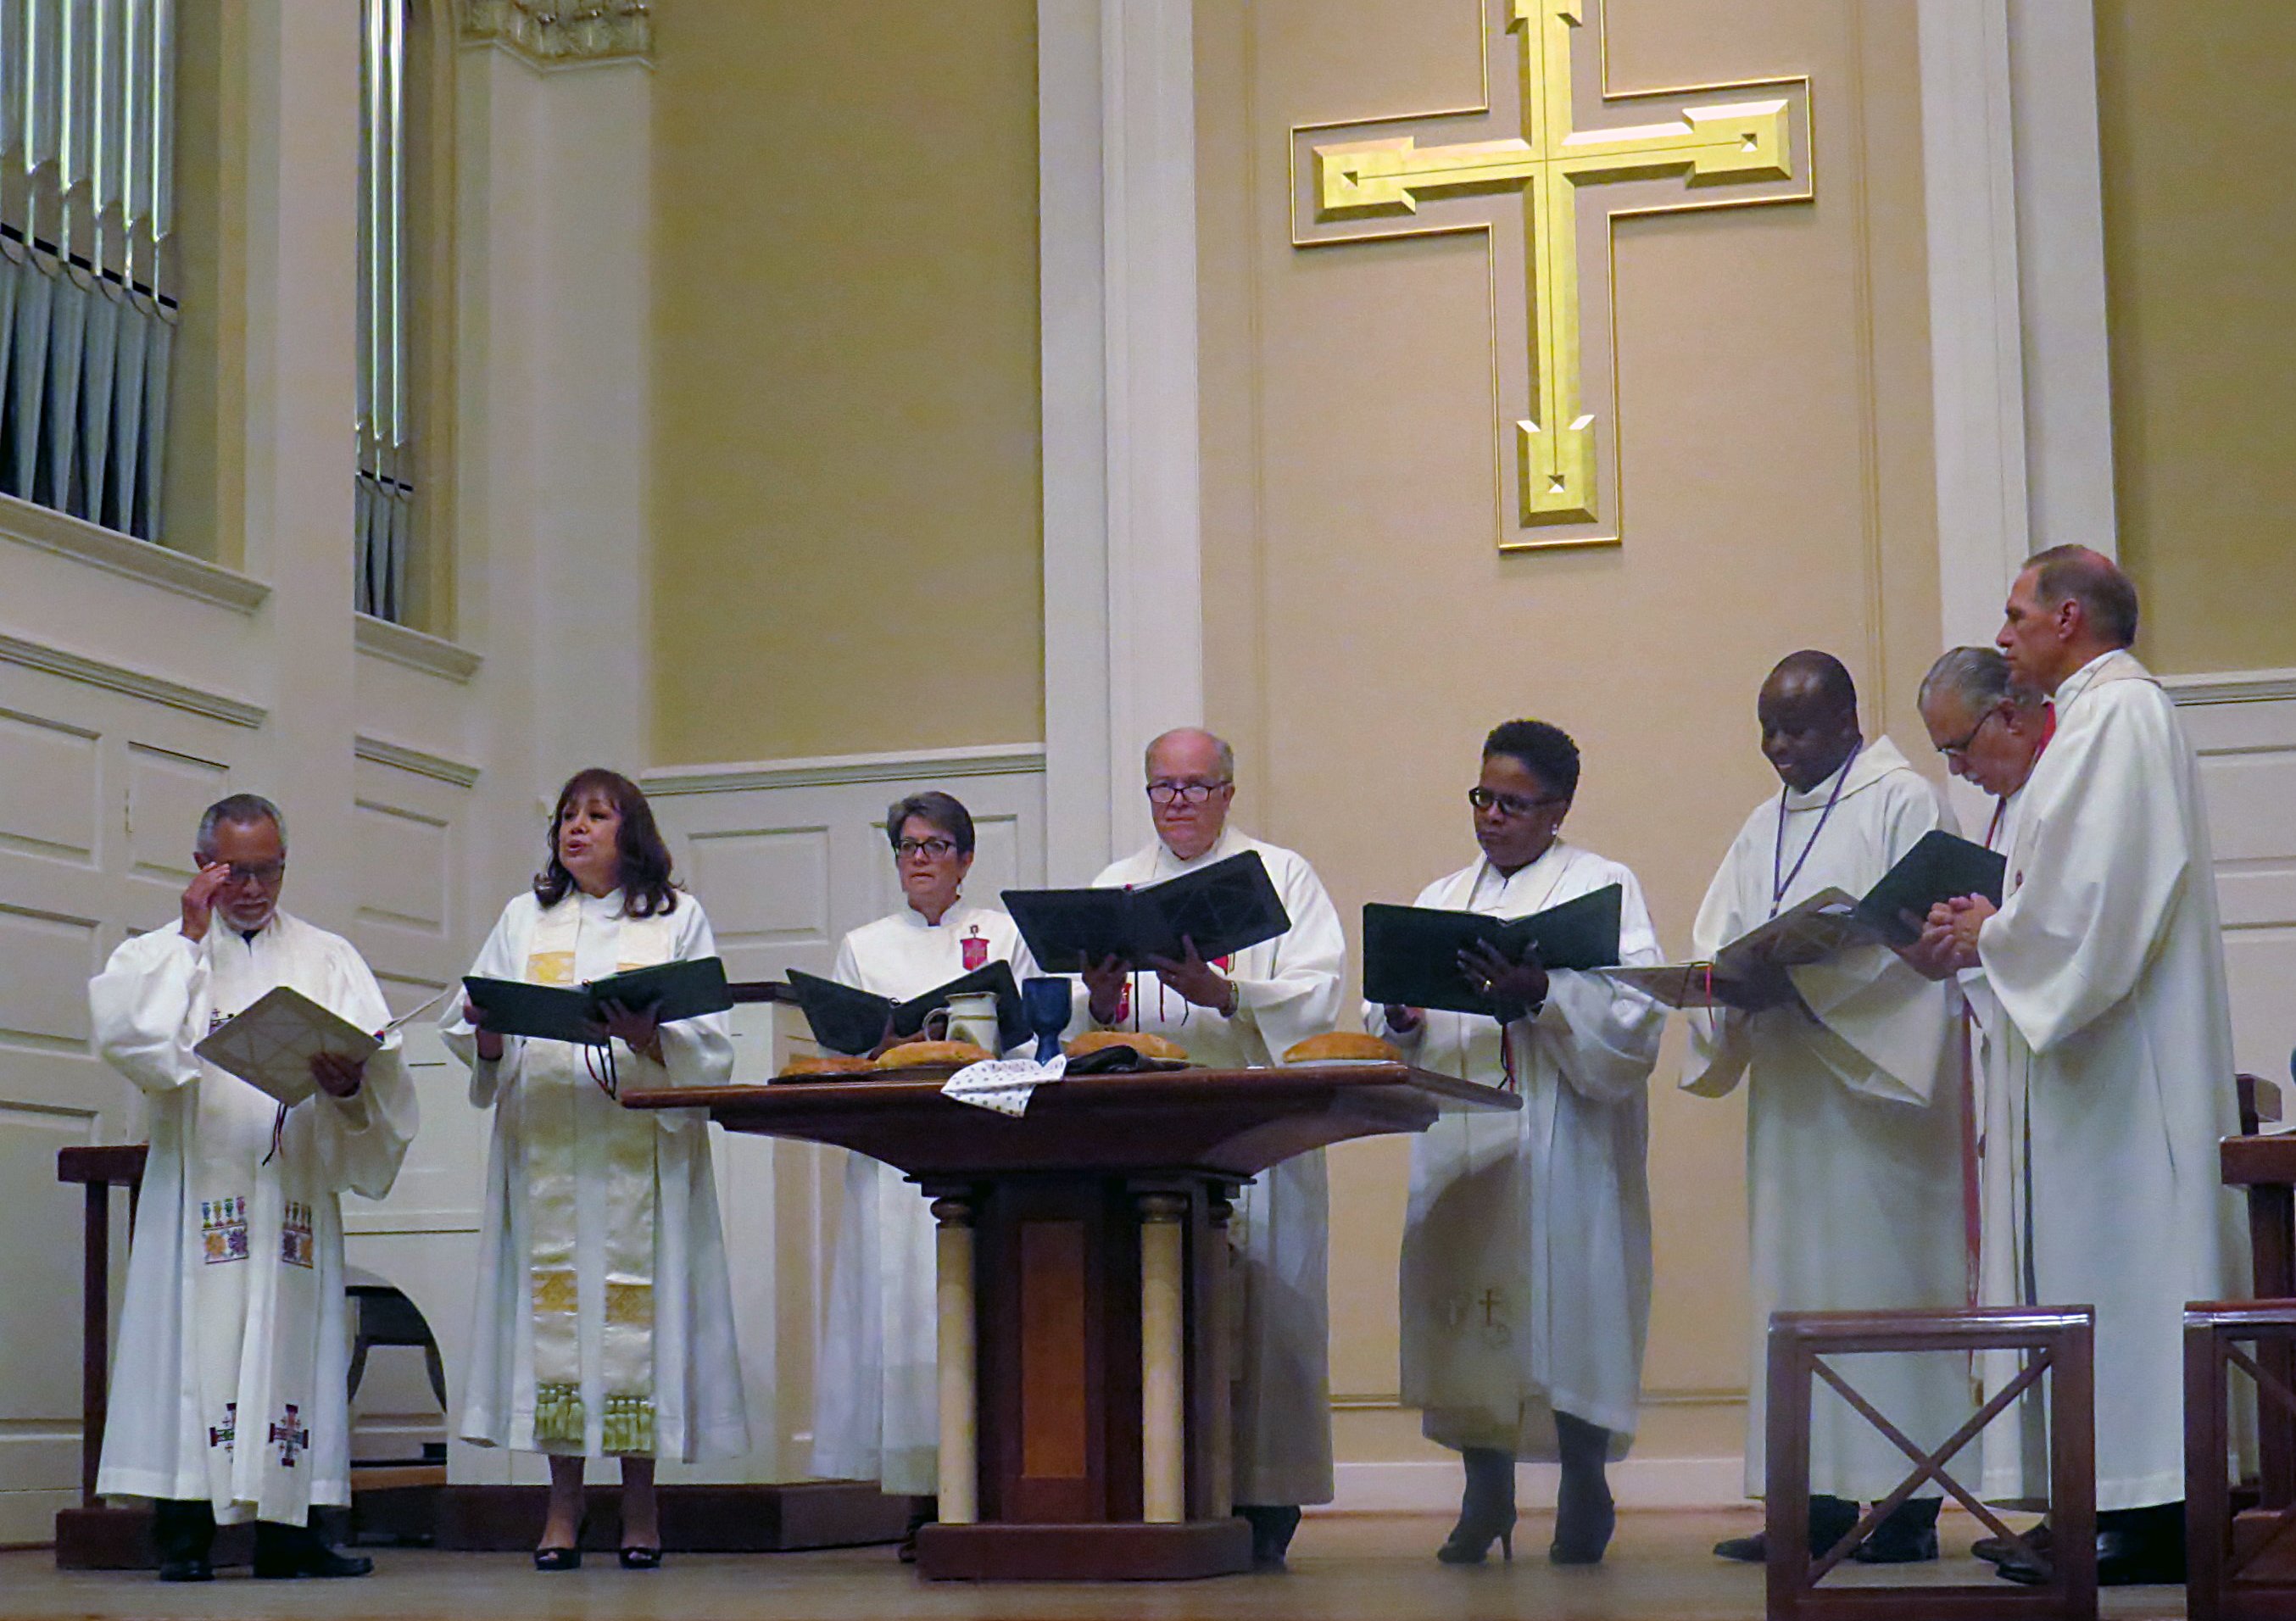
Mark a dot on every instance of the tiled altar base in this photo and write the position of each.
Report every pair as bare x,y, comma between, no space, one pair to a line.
1375,1567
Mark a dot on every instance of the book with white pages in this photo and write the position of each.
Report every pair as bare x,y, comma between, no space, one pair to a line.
1810,931
270,1042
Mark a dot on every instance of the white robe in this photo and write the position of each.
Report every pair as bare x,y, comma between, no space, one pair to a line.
1526,1268
1853,1142
2108,962
233,1326
1288,989
876,1404
699,1407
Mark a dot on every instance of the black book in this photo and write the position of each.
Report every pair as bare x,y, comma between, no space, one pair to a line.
1222,908
1939,867
851,1021
1411,954
555,1012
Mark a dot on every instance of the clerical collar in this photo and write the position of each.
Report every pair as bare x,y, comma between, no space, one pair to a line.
918,919
2073,685
1212,852
1781,881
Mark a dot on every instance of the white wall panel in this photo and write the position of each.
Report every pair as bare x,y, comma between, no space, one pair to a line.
48,780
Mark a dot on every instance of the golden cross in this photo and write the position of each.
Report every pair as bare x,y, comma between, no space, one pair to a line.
1707,153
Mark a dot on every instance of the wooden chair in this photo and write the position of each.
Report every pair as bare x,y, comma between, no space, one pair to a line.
2059,1343
2240,1566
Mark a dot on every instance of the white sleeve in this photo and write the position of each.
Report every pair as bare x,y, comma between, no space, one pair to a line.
502,957
1601,1037
141,1005
363,1139
697,1052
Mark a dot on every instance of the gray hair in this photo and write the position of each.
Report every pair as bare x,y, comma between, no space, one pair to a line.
241,810
937,809
1219,746
1979,677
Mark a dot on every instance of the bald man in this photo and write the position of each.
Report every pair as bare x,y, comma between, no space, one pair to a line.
2108,962
1852,1141
1228,1014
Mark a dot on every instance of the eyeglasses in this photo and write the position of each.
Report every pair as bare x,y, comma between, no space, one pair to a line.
933,849
264,873
1961,748
1511,805
1184,793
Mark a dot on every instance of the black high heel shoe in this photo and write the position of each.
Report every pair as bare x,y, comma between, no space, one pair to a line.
1487,1511
564,1558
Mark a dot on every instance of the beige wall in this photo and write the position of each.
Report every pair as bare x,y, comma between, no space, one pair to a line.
1363,633
202,488
2195,124
846,489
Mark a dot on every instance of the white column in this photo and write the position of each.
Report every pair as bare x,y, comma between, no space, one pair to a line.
959,1463
1163,1364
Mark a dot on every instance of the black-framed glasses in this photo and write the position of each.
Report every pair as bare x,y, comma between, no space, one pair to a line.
1183,793
264,873
933,849
1511,805
1961,748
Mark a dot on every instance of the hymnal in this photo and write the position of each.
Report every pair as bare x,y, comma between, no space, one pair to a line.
553,1013
1221,909
1411,954
852,1021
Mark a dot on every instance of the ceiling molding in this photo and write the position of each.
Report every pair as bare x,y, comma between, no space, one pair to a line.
897,766
135,684
414,648
141,561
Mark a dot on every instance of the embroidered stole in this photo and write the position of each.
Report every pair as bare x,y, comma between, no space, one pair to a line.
567,1120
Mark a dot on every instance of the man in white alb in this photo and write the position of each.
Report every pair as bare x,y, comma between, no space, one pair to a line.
228,1400
1228,1014
2107,961
1852,1145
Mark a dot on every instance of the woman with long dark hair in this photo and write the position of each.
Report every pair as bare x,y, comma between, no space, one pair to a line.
603,1325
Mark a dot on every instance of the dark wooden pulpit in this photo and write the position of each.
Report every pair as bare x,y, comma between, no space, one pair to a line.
1083,1384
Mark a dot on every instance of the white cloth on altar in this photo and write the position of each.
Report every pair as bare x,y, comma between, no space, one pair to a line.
1525,1279
1288,989
876,1400
1853,1141
234,1321
2108,962
700,1410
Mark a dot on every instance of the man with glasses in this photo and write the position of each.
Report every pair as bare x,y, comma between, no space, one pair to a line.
228,1400
1852,1143
1228,1014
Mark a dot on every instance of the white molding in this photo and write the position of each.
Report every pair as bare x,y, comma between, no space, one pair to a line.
1431,1486
398,757
129,558
1976,345
2060,192
415,650
1123,577
135,684
834,770
2231,686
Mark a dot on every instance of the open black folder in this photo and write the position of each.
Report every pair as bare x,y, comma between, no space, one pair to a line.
556,1013
1411,954
1939,867
852,1021
1222,908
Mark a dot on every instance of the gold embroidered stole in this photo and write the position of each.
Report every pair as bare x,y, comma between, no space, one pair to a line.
562,1114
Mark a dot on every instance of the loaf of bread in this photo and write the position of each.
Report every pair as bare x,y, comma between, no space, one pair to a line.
825,1063
922,1054
1334,1045
1146,1044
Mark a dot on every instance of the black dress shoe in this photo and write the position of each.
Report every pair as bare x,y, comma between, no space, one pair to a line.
1907,1537
186,1570
2135,1548
284,1553
1271,1526
1831,1518
1993,1550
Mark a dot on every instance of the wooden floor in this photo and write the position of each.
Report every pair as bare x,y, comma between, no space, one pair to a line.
1659,1569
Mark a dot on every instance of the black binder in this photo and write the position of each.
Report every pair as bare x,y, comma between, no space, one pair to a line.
851,1021
1223,908
555,1012
1939,867
1411,954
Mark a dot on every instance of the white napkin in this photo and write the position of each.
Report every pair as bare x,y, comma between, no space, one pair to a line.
1002,1084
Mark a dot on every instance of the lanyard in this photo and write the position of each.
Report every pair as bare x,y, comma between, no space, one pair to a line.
1779,886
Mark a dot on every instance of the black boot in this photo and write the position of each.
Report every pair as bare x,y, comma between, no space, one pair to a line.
922,1513
1908,1536
1831,1518
1485,1509
183,1531
1585,1515
1271,1526
285,1552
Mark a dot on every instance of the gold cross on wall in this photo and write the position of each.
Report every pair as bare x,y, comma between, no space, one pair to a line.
1707,146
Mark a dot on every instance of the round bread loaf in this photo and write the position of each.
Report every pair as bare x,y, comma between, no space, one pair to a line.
1146,1044
1334,1045
826,1063
919,1054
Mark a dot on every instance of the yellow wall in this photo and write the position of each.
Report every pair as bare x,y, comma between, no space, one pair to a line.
2200,228
1363,632
846,488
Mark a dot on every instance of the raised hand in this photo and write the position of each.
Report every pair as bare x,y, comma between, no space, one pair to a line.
200,897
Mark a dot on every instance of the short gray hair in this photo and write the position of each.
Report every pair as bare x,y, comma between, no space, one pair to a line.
1979,677
1219,746
241,810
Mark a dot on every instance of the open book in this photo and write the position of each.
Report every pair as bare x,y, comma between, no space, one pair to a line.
1222,908
853,1022
556,1013
1411,954
270,1042
1749,971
